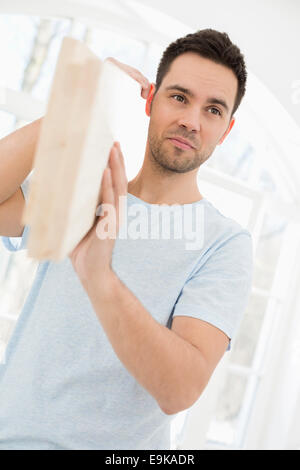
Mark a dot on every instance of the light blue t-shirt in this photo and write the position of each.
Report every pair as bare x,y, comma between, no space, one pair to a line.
62,385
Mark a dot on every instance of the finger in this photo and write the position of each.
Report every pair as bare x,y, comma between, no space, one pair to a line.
122,201
145,90
106,207
120,183
135,74
107,187
113,161
106,194
117,166
122,162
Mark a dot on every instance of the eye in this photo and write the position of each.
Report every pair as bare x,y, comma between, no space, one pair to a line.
217,111
179,96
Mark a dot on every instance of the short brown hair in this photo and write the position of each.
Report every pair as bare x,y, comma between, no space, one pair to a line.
210,44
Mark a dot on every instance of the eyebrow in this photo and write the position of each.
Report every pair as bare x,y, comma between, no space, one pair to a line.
188,92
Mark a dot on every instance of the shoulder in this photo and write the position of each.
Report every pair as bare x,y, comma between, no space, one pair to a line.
228,247
221,230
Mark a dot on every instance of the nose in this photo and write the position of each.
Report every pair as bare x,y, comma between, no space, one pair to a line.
190,120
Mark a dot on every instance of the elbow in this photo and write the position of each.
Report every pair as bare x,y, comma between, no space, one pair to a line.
185,393
167,410
176,406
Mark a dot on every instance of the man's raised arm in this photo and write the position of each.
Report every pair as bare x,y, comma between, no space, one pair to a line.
16,158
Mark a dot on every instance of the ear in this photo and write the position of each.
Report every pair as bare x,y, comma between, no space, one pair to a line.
149,99
227,132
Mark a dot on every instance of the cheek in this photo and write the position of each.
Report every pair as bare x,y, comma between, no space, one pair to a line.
213,132
161,111
159,122
160,116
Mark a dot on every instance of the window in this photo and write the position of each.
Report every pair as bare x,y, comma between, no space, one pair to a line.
247,178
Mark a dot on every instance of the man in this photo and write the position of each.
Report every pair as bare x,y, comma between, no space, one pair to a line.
126,332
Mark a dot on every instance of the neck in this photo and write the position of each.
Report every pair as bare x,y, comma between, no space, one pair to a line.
160,186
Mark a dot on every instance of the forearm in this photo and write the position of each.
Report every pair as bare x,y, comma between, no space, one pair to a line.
16,158
168,367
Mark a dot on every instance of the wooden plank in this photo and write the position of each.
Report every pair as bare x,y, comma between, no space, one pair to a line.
75,139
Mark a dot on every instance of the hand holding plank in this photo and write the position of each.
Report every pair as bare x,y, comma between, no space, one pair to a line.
87,111
91,258
135,74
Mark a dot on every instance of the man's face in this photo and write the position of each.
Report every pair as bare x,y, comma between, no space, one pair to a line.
194,102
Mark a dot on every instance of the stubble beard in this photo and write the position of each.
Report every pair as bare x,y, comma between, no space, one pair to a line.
174,160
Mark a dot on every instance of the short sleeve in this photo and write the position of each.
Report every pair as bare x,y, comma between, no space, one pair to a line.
218,292
19,243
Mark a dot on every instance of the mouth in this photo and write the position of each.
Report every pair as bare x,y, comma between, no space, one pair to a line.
181,143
